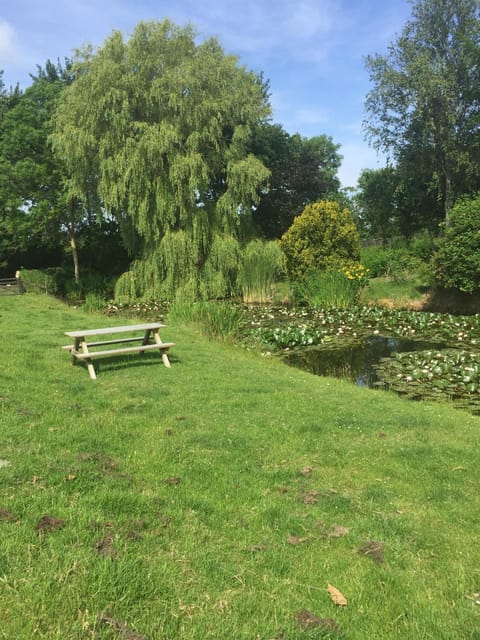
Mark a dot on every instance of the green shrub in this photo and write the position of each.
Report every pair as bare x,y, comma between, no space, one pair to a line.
324,236
49,281
261,263
456,263
422,246
395,263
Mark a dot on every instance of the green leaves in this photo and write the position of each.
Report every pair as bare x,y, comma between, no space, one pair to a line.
165,124
450,374
456,264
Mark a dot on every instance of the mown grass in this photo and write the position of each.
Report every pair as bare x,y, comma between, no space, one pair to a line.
205,500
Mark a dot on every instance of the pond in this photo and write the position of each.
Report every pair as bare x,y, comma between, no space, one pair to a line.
355,362
419,355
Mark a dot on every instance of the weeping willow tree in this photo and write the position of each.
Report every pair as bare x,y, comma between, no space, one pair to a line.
159,126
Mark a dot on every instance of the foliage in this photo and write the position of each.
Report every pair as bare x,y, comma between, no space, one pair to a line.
288,329
217,320
49,281
93,303
435,375
456,263
158,127
375,202
302,170
182,281
261,264
332,288
322,237
37,212
424,104
394,262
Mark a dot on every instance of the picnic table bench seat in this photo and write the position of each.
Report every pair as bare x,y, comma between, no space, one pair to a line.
81,349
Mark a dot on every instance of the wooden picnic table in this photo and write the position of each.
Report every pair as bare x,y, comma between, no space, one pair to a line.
81,349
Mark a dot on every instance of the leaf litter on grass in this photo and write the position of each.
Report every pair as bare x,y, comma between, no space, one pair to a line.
7,516
337,596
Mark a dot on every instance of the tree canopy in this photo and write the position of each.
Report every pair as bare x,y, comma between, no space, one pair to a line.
425,99
30,180
303,170
159,127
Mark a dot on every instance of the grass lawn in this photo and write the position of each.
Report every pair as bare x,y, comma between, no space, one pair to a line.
220,498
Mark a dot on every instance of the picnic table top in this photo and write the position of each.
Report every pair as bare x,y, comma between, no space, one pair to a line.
108,330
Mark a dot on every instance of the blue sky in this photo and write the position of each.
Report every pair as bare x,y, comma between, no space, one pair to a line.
312,51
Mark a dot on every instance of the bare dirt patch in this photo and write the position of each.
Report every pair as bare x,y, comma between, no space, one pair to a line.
307,620
374,550
47,524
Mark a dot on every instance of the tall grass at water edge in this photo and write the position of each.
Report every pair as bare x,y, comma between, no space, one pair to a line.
261,264
326,289
219,320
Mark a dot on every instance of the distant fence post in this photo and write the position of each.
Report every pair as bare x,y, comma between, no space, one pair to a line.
20,285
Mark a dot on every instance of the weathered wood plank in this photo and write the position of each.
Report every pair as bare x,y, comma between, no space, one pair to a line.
69,347
112,352
111,330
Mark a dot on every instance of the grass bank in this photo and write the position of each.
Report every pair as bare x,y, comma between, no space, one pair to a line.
218,499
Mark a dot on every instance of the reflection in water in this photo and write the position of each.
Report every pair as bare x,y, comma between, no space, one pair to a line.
355,362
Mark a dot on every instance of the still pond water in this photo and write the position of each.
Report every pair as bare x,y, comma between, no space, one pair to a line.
355,362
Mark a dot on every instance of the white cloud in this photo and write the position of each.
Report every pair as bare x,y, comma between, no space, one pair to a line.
8,42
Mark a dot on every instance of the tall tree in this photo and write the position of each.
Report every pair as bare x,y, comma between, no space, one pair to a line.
426,96
303,170
158,126
9,224
35,203
376,203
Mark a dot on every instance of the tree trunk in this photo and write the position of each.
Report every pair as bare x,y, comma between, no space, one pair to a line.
447,189
76,268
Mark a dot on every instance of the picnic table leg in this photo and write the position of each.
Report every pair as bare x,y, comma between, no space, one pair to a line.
146,338
158,340
90,367
75,348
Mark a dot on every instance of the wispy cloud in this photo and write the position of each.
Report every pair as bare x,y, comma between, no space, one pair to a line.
8,42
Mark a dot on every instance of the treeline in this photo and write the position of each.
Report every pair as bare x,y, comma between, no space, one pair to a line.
153,161
423,111
96,175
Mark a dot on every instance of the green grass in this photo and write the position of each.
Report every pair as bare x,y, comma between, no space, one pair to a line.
399,293
188,508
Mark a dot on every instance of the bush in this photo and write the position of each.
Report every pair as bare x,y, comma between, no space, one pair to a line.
50,281
395,263
456,263
323,237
